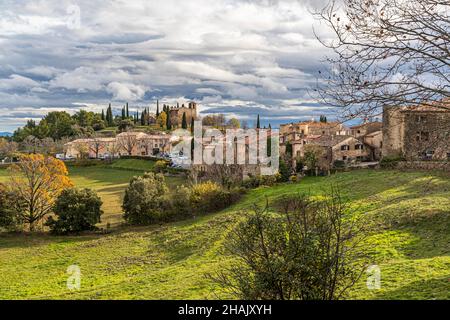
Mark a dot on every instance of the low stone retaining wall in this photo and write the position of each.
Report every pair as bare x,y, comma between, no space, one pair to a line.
424,165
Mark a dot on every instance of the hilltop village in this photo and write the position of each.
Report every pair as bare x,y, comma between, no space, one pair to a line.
404,132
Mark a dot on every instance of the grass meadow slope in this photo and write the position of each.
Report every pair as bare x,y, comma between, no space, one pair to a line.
409,211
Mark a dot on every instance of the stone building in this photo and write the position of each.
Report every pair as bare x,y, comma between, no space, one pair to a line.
417,132
125,143
295,131
333,140
375,141
371,134
365,128
176,113
334,148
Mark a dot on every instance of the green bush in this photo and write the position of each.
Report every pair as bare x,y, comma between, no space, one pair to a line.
257,181
160,166
146,200
76,210
181,204
210,196
284,171
339,163
390,162
8,218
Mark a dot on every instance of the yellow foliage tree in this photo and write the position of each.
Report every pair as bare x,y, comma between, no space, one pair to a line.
37,180
162,119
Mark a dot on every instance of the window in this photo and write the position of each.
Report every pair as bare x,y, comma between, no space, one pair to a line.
345,147
344,158
420,119
359,147
422,136
359,131
448,155
323,132
427,155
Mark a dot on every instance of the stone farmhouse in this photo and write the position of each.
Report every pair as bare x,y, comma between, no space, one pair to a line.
336,142
371,134
125,143
176,113
417,132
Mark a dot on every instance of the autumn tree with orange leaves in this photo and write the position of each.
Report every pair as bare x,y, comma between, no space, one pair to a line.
37,180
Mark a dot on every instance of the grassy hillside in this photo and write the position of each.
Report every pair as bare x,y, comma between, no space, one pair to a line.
410,211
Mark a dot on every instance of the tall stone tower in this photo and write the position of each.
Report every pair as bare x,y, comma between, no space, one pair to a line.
393,131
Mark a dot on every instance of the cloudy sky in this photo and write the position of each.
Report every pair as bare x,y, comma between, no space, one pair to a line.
235,57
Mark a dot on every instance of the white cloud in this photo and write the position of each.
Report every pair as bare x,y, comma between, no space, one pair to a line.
222,53
126,91
16,81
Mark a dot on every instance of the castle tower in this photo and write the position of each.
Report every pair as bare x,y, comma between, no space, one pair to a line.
393,131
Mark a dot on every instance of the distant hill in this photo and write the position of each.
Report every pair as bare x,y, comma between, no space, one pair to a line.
5,134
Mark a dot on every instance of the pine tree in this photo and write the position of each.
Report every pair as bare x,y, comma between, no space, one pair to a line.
184,121
258,125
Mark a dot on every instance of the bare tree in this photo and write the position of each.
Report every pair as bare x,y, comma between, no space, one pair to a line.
127,141
386,53
96,144
47,146
309,250
224,174
8,148
113,148
30,144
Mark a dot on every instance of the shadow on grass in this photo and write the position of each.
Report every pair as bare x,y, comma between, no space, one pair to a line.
437,288
432,234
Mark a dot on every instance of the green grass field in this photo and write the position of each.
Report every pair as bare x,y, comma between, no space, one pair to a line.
109,181
410,212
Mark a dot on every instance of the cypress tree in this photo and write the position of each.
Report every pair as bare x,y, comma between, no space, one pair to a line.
258,125
157,109
168,122
192,124
103,115
123,113
270,127
143,118
184,121
109,116
126,111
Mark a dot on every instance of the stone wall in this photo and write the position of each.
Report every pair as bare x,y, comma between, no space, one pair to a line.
424,165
